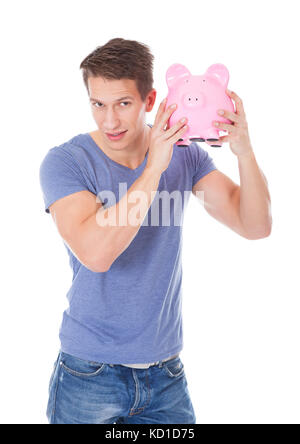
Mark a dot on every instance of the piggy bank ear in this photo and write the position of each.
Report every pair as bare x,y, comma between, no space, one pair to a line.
176,72
219,72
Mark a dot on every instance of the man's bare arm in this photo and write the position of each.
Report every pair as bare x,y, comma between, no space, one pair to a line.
79,219
103,244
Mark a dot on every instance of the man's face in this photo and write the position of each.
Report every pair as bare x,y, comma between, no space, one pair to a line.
117,107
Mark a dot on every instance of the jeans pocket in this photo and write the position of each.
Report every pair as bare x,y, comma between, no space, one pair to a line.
53,372
80,367
174,368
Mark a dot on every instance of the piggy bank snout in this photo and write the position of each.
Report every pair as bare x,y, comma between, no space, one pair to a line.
193,99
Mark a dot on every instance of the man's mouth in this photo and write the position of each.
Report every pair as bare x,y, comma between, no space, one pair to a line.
116,136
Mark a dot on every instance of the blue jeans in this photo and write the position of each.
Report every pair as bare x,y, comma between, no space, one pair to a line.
85,392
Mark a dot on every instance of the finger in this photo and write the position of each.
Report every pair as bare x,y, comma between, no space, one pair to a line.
166,116
238,102
178,134
160,111
228,115
174,128
224,126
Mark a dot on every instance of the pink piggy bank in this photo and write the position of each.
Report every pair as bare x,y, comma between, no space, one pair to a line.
198,98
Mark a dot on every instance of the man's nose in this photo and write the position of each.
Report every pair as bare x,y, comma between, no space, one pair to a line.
111,119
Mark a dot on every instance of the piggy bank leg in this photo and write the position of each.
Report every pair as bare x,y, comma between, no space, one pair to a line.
182,143
213,137
212,144
197,139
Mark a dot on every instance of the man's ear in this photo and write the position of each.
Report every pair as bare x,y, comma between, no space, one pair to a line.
150,100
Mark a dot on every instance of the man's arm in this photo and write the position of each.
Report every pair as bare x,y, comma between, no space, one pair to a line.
96,235
246,208
254,197
218,194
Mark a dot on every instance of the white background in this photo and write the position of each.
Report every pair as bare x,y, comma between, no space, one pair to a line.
240,297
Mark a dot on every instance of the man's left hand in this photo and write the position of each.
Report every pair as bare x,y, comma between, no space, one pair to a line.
238,136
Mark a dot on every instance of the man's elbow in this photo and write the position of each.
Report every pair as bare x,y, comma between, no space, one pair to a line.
97,269
103,264
97,266
103,269
259,234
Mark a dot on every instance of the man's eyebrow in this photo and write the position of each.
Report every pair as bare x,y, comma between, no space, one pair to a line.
118,100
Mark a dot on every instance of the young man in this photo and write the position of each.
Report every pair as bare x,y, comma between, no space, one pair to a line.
122,333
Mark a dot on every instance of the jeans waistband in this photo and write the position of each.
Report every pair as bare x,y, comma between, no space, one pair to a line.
143,366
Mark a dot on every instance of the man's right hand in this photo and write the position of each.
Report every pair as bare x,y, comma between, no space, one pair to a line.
162,140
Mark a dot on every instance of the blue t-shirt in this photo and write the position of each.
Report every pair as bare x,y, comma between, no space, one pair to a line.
132,312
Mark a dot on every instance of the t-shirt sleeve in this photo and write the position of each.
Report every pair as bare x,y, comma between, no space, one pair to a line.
60,175
202,163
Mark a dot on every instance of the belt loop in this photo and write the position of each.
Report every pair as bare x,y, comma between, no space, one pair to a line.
160,363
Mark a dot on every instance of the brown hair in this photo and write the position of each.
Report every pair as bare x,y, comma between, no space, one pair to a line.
119,59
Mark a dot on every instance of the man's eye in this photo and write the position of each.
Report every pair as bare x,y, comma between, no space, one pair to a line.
99,103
